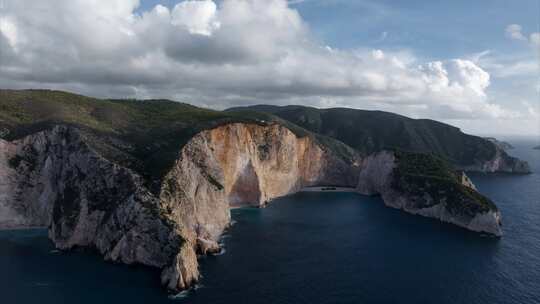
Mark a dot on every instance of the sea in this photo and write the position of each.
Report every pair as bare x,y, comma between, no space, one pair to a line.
315,248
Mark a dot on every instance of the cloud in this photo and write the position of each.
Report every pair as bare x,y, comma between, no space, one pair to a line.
535,39
198,17
237,52
514,31
9,31
292,2
520,68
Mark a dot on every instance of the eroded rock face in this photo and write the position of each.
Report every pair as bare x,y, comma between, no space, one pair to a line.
500,163
9,217
378,176
55,179
503,145
238,165
25,190
466,181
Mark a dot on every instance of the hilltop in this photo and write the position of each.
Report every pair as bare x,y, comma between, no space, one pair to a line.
144,135
372,131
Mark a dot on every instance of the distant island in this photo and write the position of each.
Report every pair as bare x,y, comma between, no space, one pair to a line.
537,148
152,182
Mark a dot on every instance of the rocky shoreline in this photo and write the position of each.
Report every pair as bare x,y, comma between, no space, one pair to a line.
328,189
55,179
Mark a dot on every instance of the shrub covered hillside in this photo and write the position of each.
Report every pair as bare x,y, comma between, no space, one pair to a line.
418,174
372,131
144,135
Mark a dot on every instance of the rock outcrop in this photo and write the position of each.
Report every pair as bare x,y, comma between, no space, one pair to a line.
500,163
456,203
55,179
237,165
152,182
244,164
503,145
373,131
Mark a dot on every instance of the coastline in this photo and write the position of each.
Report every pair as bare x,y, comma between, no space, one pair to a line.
328,189
306,189
17,228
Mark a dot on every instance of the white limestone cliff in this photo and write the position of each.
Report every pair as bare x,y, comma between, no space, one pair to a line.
377,177
56,179
500,163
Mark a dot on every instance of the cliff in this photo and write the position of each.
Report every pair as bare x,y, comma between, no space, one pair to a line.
499,143
152,182
54,178
373,131
236,165
244,164
501,162
424,185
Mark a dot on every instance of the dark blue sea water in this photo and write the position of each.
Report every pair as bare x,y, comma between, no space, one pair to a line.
315,248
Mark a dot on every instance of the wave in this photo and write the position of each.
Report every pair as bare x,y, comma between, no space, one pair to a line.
184,294
221,252
198,286
181,295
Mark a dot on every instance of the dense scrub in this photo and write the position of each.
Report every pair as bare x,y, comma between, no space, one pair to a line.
421,174
372,131
144,135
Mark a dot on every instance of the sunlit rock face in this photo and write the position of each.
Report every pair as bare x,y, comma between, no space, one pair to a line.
244,164
237,165
56,179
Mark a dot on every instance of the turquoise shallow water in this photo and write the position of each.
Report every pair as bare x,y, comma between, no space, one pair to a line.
315,248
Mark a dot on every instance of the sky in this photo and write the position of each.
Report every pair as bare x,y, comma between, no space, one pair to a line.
473,64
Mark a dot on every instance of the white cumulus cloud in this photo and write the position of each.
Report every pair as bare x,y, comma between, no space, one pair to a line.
198,17
515,31
222,54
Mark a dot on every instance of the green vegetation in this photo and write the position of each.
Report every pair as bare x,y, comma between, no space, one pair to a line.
372,131
418,174
145,136
425,165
